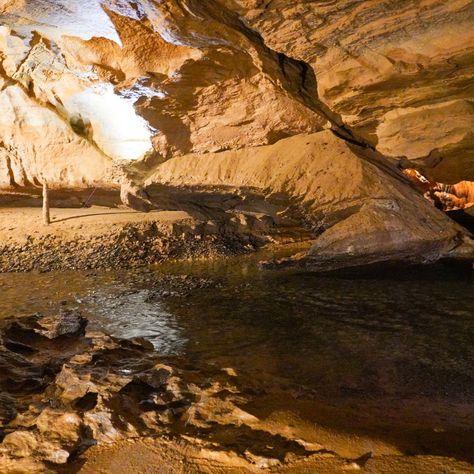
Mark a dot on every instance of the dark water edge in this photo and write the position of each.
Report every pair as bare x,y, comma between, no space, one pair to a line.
387,352
463,217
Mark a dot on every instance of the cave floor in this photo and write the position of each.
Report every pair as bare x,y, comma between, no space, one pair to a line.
156,456
16,223
103,237
389,450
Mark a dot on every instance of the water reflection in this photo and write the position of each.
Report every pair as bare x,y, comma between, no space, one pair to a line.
370,338
127,314
400,341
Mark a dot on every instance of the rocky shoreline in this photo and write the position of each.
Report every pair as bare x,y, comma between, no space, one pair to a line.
131,246
77,400
150,241
130,240
65,389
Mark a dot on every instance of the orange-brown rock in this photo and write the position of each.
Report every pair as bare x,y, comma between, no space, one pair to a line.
93,389
445,196
360,209
456,196
207,87
90,86
224,74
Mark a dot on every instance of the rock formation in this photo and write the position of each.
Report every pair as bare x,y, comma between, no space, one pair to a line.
65,389
444,196
179,88
398,73
456,196
358,207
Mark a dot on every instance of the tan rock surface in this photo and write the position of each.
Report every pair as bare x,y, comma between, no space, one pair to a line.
360,208
141,415
210,87
152,81
37,144
399,73
396,74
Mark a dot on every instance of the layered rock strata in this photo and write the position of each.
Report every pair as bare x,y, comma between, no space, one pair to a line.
359,208
233,73
398,73
152,82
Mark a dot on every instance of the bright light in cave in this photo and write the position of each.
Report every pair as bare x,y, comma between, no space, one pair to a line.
65,17
116,127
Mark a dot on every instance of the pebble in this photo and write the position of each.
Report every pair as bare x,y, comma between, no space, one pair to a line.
140,245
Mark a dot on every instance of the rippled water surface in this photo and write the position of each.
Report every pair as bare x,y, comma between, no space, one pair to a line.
399,342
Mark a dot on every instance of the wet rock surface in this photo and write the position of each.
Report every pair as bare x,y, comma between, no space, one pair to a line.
261,361
64,389
180,286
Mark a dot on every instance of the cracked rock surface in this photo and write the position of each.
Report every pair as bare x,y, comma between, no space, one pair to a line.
74,389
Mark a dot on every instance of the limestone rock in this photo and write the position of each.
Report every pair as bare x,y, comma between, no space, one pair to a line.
8,410
59,425
134,197
236,73
67,324
398,73
37,144
148,82
360,208
109,390
21,443
210,88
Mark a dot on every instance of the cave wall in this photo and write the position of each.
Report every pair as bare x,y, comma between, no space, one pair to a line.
399,73
283,113
112,80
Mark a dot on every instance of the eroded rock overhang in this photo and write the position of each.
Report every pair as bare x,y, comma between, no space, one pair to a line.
153,81
226,74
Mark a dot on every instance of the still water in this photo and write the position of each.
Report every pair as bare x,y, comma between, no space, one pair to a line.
396,345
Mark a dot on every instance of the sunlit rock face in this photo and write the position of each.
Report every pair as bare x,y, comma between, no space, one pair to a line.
117,129
53,19
37,144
